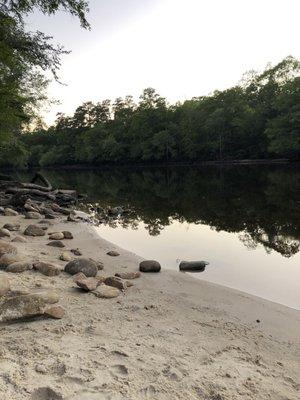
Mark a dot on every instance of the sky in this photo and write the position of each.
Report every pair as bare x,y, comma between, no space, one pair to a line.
182,48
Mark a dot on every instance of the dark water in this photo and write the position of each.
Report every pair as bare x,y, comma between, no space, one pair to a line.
244,220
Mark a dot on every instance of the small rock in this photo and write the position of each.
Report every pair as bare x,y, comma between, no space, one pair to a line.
56,243
78,276
4,285
76,252
41,369
106,292
129,284
9,212
116,282
49,216
12,227
101,279
113,253
34,230
88,284
128,275
65,257
19,239
4,233
20,266
46,268
86,265
6,248
32,215
56,236
150,266
68,235
56,312
193,266
8,259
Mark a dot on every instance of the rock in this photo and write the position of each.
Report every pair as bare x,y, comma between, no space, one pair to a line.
106,292
9,212
27,305
116,282
19,266
86,265
8,259
46,268
128,275
68,235
193,266
56,236
78,276
150,266
4,285
32,215
34,230
2,210
113,253
19,239
41,369
100,279
56,243
72,218
49,216
12,227
6,248
88,284
129,284
76,252
4,233
65,257
56,312
31,208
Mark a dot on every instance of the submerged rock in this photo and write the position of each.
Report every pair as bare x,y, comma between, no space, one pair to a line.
150,266
85,265
193,266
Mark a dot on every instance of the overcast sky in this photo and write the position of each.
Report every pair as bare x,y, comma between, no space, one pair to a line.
182,48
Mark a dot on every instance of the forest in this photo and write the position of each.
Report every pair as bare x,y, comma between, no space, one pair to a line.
259,118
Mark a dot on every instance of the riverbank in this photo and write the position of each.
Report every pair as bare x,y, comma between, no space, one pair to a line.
169,336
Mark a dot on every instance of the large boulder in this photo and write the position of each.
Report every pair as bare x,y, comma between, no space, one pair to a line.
150,266
4,285
34,230
27,305
85,265
6,248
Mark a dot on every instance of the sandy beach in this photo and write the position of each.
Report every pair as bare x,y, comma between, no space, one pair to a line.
169,336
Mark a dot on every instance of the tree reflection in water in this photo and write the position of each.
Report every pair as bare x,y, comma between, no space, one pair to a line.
261,203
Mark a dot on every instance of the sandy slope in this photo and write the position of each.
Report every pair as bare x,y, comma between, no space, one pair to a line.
169,337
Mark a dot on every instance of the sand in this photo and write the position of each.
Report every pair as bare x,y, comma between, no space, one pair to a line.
170,336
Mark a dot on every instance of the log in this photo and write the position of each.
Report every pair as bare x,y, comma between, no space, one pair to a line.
31,192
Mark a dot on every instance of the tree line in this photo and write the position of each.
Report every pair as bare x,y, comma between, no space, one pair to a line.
258,118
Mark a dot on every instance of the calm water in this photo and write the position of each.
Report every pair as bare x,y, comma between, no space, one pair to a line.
244,220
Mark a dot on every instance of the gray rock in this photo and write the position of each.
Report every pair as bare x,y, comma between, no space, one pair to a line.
34,230
116,282
27,305
46,268
113,253
19,266
56,243
68,235
85,265
150,266
193,266
106,292
4,233
33,215
9,212
4,285
12,227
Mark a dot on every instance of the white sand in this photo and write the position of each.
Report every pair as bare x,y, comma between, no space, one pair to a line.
169,337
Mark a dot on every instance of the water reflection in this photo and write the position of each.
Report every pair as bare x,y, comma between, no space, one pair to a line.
261,203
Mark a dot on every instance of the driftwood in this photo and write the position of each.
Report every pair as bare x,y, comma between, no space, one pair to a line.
18,193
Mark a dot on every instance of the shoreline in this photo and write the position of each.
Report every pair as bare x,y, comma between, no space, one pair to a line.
168,336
